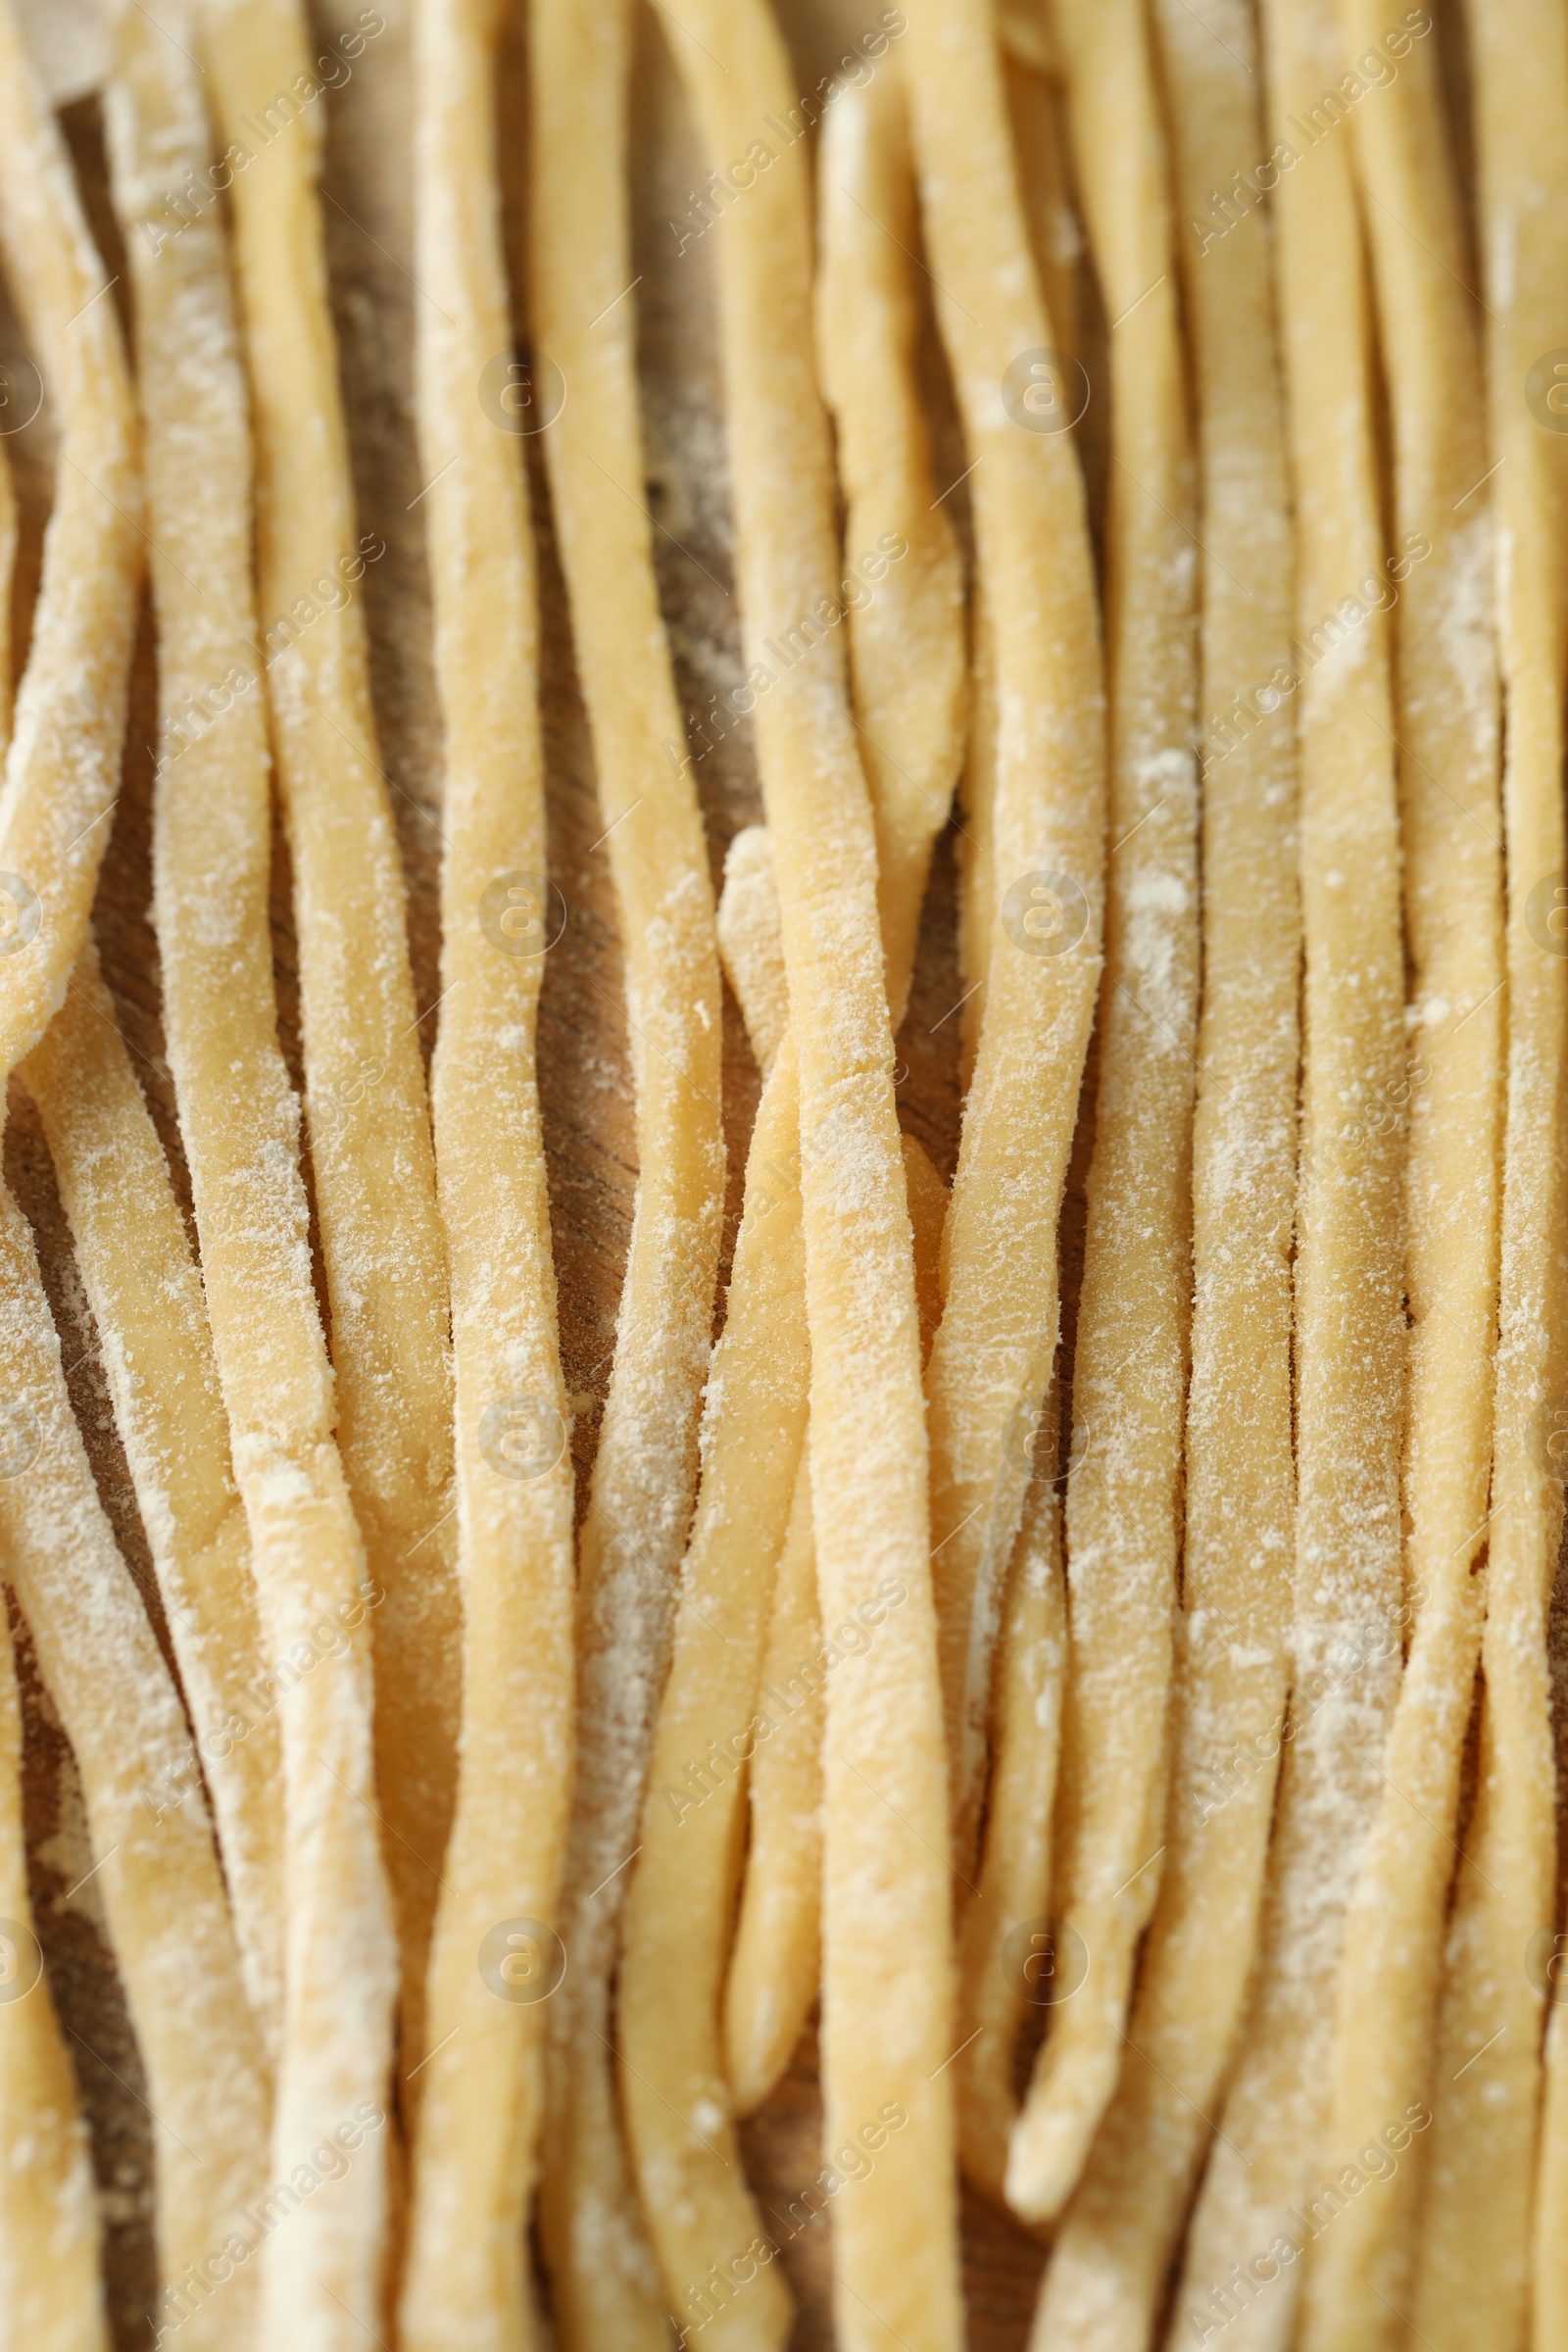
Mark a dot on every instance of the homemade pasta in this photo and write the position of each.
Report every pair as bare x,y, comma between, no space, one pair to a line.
585,312
1045,853
370,1133
1451,1104
1130,1360
887,1966
479,2096
1107,2277
1476,2243
903,590
1274,2127
942,1561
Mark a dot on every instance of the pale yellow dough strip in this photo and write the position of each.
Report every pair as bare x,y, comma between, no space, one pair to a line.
1350,1264
49,2228
1475,2246
585,314
369,1132
1013,1879
887,1972
481,2091
754,1506
994,1350
907,669
750,942
146,1298
1032,84
49,2231
168,1914
676,2103
897,539
1032,69
1003,1928
902,572
1130,1366
61,772
1107,2277
715,1720
212,855
774,1964
1358,2278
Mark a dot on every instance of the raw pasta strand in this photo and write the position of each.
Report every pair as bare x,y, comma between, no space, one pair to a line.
371,1146
1349,1307
1107,2280
774,1964
169,1918
775,1961
1358,2279
750,942
1475,2242
156,1871
62,763
711,1720
1035,105
584,304
1034,114
47,2198
1130,1366
49,2231
902,573
887,1972
907,672
993,1349
755,1489
212,855
1003,1946
146,1297
481,2089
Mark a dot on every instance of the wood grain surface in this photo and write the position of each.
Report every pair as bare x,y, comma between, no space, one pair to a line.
585,1069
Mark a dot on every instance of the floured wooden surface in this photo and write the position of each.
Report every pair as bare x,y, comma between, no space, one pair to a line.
585,1071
